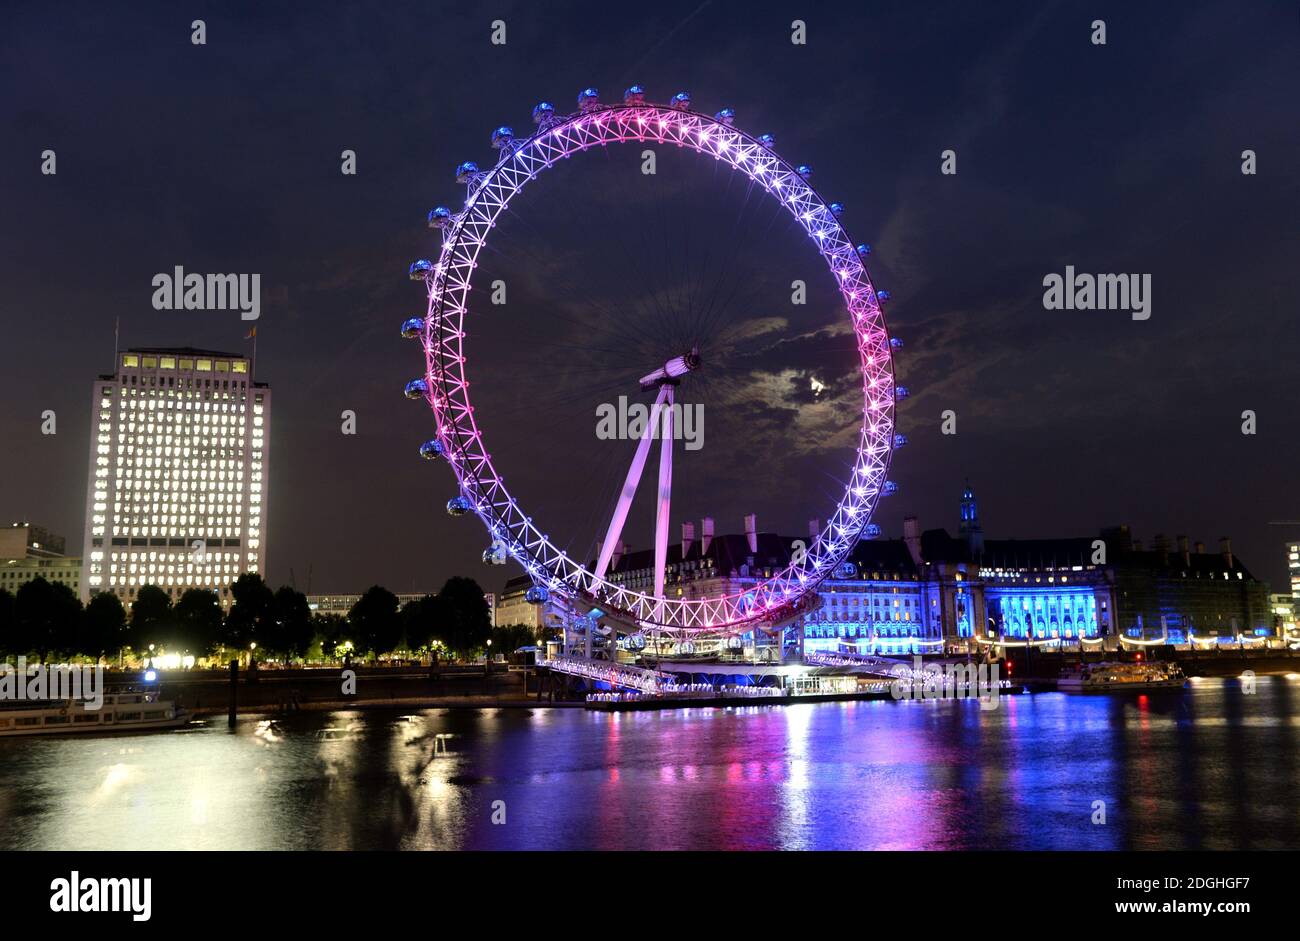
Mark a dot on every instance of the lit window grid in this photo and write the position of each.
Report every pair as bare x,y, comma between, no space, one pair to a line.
180,462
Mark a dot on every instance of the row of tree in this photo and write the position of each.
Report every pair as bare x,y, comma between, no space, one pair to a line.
45,620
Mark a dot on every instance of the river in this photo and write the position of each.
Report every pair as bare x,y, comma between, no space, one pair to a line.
1208,767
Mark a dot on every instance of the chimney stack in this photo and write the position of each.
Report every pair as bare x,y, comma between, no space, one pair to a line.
688,538
912,537
1184,551
1161,546
751,531
706,534
814,528
1225,549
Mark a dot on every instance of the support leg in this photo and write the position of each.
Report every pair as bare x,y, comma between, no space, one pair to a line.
630,485
665,491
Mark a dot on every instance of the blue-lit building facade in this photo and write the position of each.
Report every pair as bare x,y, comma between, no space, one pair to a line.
932,591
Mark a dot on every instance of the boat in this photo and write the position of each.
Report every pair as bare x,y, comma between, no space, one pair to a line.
1111,675
119,712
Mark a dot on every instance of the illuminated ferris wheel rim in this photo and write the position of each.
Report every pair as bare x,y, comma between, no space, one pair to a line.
445,385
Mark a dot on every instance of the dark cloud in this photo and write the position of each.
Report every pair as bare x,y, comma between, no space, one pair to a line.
1116,158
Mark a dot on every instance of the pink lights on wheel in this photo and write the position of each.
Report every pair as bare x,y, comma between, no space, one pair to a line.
466,233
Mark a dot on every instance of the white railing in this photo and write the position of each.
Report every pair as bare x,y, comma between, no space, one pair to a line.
691,691
615,674
825,659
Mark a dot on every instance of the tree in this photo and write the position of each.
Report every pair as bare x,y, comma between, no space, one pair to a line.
375,623
420,621
46,617
103,626
508,638
464,622
151,615
291,629
197,616
247,621
332,631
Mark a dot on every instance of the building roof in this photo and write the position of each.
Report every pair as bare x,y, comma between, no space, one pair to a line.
730,551
184,351
938,546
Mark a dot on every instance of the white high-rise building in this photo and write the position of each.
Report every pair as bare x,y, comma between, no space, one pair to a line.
178,474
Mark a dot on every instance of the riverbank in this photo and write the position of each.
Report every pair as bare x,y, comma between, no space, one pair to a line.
209,692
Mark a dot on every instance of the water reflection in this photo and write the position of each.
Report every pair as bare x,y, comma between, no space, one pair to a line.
1206,768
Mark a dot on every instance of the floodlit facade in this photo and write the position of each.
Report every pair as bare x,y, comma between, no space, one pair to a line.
179,473
513,608
931,591
1293,566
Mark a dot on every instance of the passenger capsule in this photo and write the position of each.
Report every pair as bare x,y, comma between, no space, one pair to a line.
768,141
439,217
681,101
495,555
466,171
411,327
846,570
635,95
837,209
420,268
417,389
726,116
900,440
502,136
458,506
537,595
803,170
895,343
888,488
588,98
432,449
543,111
900,392
883,295
872,531
864,250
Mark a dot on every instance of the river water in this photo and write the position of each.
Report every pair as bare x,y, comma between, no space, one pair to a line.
1206,767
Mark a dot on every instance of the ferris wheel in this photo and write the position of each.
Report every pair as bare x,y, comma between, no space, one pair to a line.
458,440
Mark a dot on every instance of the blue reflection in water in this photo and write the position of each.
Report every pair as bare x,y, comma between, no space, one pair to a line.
1204,768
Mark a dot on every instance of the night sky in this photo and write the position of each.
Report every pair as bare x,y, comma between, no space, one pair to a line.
1117,158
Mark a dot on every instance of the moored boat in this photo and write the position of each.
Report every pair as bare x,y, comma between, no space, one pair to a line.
119,712
1110,675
